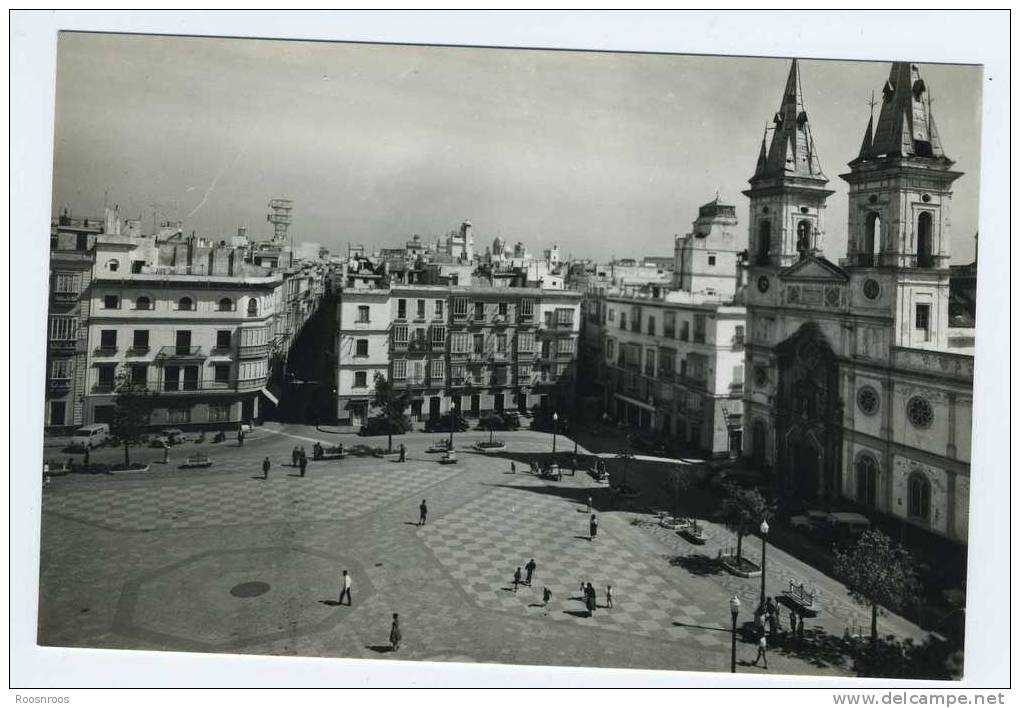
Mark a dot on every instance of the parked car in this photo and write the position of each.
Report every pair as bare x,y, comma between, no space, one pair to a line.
381,426
648,444
90,436
174,435
748,479
543,422
498,421
441,424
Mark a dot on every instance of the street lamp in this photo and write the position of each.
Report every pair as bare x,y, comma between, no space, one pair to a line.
734,609
764,532
556,417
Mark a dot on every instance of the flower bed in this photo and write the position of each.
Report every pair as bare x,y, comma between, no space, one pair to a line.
494,446
133,467
740,567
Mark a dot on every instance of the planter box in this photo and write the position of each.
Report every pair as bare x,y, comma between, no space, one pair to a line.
490,447
135,467
745,569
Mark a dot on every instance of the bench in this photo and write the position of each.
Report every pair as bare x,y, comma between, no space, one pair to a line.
197,462
799,596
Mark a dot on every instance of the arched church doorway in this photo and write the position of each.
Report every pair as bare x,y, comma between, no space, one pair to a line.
808,423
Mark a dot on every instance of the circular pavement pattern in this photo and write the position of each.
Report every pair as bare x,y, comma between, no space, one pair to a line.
250,589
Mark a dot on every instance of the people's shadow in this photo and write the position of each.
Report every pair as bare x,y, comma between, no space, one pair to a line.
258,477
411,523
380,648
536,604
292,474
583,538
577,613
330,603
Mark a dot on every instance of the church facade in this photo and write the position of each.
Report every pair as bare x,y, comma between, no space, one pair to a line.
858,385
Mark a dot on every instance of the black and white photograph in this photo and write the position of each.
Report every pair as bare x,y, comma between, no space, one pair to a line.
504,355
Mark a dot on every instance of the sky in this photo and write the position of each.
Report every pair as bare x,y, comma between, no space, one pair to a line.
604,154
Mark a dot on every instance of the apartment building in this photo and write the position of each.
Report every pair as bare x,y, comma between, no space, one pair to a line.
472,348
200,341
187,318
71,258
669,358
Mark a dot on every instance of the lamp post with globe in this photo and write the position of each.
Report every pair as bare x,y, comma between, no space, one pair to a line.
764,532
734,610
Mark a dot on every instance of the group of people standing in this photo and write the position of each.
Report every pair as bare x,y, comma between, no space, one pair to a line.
588,595
529,568
298,458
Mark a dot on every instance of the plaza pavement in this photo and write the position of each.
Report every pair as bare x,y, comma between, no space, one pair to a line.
221,560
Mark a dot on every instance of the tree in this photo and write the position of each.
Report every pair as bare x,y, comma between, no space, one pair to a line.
132,405
744,510
393,403
681,482
876,572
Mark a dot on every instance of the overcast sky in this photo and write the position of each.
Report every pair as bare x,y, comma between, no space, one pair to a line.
604,154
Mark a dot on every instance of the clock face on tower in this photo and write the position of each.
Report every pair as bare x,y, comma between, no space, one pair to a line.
763,283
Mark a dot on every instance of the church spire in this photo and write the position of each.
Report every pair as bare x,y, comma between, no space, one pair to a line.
792,151
868,137
759,168
906,125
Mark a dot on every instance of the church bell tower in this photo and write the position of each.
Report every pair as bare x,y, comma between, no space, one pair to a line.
788,189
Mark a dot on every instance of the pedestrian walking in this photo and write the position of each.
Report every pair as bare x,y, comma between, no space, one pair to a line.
593,527
513,468
240,438
265,468
590,599
793,621
345,588
395,635
295,454
529,568
517,579
589,504
546,594
166,452
762,646
423,513
609,596
302,463
85,461
800,628
403,452
772,618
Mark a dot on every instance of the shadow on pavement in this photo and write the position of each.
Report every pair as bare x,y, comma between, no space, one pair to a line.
697,564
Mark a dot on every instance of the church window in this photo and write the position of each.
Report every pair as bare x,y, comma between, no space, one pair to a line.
803,236
872,239
867,400
919,497
922,319
711,260
924,249
871,288
867,479
764,242
920,412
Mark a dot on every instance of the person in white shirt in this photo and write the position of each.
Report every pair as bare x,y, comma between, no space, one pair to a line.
345,588
762,646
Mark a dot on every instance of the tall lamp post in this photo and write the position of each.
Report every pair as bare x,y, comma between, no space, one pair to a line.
453,419
764,532
734,609
556,417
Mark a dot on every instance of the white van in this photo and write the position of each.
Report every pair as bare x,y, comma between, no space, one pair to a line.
90,436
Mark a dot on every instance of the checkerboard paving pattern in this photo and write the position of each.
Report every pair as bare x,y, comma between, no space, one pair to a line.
217,501
482,543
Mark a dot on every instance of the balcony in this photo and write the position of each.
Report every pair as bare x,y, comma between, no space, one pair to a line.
104,387
63,344
865,260
138,350
59,384
180,353
737,343
223,385
65,297
107,350
251,351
